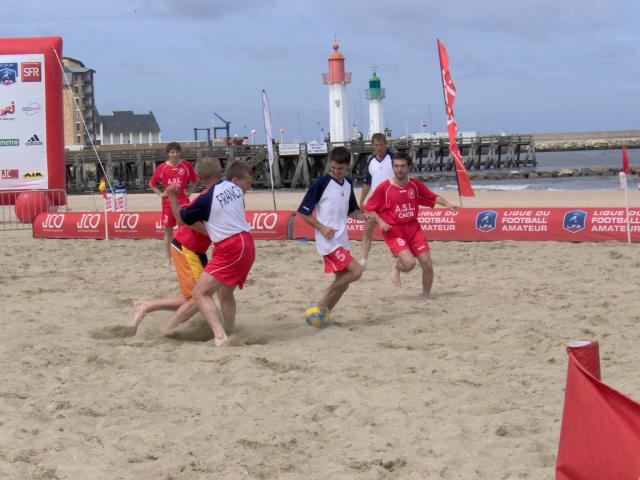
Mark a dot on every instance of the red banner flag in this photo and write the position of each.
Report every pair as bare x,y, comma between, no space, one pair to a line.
600,436
449,88
626,168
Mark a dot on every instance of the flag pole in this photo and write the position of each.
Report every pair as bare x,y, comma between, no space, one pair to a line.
444,95
626,208
269,139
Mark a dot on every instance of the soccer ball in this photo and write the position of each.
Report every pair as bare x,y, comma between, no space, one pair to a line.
317,317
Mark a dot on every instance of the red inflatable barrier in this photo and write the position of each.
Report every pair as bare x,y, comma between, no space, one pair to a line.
265,225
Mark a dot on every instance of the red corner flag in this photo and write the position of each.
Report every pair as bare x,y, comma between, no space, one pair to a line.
600,435
626,168
449,89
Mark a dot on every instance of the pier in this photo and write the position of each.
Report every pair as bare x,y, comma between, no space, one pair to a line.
296,165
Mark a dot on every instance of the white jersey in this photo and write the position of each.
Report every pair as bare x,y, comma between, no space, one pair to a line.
378,170
332,203
221,208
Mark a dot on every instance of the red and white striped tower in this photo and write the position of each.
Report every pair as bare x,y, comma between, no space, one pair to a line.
337,80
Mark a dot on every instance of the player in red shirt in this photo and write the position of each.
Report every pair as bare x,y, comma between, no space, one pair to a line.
173,172
394,205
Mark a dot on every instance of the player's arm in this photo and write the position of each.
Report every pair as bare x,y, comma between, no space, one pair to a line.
354,209
156,190
366,188
173,201
443,201
191,188
153,182
384,226
327,232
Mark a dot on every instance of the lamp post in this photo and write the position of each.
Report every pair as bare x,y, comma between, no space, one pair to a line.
253,136
281,135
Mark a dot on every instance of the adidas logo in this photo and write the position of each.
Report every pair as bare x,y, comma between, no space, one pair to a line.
34,140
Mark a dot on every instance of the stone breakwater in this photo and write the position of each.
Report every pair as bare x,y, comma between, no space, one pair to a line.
532,174
549,142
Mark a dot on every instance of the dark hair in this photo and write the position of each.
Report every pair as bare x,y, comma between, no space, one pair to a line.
340,155
403,156
379,136
173,146
238,169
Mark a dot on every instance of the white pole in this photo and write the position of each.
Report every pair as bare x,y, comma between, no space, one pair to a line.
626,207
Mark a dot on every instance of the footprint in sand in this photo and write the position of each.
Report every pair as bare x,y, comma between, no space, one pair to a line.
115,331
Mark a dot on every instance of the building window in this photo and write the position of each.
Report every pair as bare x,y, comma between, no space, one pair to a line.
77,126
78,138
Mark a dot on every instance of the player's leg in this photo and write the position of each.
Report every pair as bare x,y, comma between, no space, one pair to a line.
228,307
404,262
142,307
427,273
330,296
367,234
187,310
203,297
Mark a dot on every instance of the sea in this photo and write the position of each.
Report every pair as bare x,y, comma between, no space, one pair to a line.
548,161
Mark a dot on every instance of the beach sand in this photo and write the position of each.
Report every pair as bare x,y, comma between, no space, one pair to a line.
468,384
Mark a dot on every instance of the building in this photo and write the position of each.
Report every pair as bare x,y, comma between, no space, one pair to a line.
79,104
375,93
337,80
126,127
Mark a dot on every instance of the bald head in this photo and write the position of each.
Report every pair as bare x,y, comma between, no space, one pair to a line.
208,168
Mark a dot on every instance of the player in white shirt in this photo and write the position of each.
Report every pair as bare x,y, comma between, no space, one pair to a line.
332,199
221,209
378,169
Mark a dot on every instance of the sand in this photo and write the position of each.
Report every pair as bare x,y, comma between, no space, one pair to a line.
468,384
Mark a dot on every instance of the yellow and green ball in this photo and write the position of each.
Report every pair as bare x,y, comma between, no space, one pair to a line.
317,317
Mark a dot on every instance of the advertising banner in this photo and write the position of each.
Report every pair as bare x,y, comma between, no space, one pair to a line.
31,123
265,225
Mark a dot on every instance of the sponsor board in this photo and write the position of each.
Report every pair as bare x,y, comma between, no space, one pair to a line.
31,109
532,224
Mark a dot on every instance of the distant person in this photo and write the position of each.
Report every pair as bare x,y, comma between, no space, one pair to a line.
245,141
173,172
332,199
221,209
378,169
394,205
189,254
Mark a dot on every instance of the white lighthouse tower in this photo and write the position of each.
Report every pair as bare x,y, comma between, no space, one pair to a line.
375,94
337,80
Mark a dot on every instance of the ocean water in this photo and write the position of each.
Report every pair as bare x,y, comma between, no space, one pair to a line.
557,160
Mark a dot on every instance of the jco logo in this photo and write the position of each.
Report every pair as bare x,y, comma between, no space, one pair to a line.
88,221
264,221
127,221
53,220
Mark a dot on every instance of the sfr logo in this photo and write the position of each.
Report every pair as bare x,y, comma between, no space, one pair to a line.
31,72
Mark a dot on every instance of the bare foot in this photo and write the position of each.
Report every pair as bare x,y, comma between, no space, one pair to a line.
139,312
395,276
230,341
363,263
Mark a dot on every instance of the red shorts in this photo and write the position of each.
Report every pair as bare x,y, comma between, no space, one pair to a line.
168,220
406,236
337,261
232,259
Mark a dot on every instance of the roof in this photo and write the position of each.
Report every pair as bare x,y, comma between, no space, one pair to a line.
127,121
78,69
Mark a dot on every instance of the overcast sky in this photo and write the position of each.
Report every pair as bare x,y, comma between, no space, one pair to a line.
519,65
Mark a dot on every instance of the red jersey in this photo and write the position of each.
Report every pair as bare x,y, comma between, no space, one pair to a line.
180,175
397,205
194,241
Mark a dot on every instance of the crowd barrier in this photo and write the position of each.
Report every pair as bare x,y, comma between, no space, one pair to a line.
467,224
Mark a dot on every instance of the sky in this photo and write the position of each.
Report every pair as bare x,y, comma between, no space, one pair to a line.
524,66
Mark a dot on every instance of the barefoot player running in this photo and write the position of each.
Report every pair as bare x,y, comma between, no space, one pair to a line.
394,205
